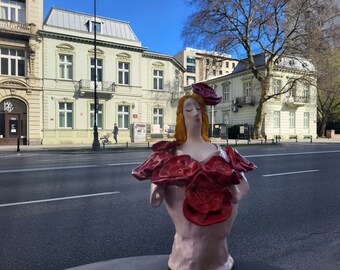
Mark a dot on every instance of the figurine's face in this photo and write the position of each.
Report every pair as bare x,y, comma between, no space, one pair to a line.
192,114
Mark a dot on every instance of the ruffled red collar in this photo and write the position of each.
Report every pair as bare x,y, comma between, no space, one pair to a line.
207,196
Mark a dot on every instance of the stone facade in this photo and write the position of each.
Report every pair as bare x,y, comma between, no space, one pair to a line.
20,76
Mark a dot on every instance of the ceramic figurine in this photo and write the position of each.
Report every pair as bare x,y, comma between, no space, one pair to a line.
201,184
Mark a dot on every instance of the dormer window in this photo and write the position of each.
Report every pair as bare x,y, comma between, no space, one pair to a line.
95,25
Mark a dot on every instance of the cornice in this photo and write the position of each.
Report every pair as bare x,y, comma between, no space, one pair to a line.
79,39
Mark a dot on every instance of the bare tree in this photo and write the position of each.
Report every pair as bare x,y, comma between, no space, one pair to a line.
273,27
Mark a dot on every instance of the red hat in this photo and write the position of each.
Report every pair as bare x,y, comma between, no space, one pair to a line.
208,93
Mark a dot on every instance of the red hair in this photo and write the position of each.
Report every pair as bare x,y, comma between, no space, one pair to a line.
180,131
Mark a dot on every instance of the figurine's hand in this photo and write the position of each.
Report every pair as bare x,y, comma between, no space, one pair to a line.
156,195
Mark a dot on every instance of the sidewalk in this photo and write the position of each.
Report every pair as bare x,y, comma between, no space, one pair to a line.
145,145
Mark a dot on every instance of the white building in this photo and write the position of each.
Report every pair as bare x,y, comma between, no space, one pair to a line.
134,85
288,115
202,65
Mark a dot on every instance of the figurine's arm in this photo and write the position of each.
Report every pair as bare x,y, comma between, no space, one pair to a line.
240,190
156,195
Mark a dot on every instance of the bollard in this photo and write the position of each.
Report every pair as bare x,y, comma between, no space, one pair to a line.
265,138
103,145
127,145
227,142
276,139
311,139
261,141
18,145
148,145
296,138
235,141
248,141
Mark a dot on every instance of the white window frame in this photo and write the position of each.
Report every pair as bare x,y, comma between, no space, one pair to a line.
291,119
277,119
99,115
13,11
124,73
12,58
123,111
226,93
191,80
158,117
276,86
93,22
66,112
67,66
158,79
247,89
100,63
306,119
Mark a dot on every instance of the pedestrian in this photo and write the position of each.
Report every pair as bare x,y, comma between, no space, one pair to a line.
115,132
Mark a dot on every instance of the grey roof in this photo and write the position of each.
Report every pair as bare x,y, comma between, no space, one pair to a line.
292,62
79,21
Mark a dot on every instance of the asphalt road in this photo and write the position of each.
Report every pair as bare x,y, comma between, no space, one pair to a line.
63,209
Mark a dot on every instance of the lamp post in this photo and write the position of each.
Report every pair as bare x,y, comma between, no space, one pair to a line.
95,144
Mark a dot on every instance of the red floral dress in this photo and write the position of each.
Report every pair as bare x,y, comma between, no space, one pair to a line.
207,195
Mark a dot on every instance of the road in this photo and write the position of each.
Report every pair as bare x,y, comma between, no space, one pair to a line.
63,209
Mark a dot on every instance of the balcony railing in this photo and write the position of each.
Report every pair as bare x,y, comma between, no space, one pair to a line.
87,86
297,100
250,100
16,27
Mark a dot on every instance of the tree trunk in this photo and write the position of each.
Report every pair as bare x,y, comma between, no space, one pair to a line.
258,122
322,131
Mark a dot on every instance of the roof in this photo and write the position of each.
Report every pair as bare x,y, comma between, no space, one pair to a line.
79,21
292,62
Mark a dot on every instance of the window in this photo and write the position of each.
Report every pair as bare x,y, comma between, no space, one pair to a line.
123,116
226,93
292,119
234,65
220,72
158,116
124,73
12,62
99,115
306,119
292,91
191,64
207,61
95,26
65,115
277,86
191,80
99,70
306,91
247,89
158,79
65,66
227,64
11,10
276,119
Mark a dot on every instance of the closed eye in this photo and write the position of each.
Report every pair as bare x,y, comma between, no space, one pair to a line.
189,110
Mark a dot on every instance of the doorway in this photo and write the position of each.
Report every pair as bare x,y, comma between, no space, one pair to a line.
13,122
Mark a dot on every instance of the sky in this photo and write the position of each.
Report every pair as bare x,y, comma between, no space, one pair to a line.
156,23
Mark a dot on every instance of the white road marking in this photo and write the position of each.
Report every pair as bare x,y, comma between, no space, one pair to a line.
293,154
59,199
130,163
286,173
48,168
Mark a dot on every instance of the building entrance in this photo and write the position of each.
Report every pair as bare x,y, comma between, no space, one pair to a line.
13,121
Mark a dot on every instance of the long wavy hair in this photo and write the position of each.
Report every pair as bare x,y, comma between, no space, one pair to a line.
180,130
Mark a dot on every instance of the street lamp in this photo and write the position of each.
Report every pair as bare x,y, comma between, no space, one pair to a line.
96,144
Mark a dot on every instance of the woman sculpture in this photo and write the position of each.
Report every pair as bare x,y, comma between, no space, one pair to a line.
201,184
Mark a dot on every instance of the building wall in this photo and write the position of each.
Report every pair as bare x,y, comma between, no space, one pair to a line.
227,112
22,35
207,64
139,96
